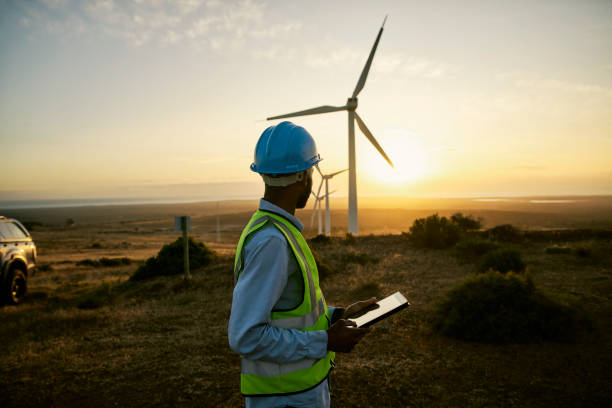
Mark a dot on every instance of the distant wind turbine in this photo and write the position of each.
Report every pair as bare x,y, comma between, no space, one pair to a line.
317,204
350,107
325,178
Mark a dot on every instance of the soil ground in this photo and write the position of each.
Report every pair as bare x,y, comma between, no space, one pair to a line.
87,336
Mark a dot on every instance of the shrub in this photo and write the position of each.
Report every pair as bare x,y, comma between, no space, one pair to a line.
505,233
115,261
98,298
95,245
360,258
88,262
434,232
349,239
465,223
503,260
44,267
322,267
475,247
558,250
169,260
582,252
320,239
104,262
503,308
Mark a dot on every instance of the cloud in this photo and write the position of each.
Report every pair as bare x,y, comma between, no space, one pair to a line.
201,26
411,66
171,37
276,30
55,3
343,56
204,25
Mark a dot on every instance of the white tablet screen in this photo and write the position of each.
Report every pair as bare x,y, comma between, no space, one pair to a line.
386,307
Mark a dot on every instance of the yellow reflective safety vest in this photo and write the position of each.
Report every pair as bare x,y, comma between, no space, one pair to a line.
264,378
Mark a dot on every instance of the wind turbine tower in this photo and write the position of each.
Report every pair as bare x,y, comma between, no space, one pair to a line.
350,107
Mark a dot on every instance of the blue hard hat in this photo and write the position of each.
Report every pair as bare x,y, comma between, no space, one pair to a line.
283,149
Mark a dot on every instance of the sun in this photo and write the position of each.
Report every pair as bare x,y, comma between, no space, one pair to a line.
410,161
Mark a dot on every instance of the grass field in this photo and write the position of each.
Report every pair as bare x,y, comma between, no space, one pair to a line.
87,336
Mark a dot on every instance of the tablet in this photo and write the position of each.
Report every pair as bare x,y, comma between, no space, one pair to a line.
386,307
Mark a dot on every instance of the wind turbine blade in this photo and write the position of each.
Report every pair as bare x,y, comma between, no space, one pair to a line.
318,169
336,173
314,210
313,111
331,192
319,190
371,138
366,68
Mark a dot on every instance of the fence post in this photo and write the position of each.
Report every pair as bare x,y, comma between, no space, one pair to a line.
183,222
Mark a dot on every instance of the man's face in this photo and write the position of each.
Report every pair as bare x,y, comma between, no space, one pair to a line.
303,199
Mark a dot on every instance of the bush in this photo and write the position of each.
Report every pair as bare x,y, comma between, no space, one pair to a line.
475,247
503,260
465,223
360,258
44,267
582,252
101,296
322,267
88,262
320,239
503,308
169,260
349,239
558,250
505,233
115,261
104,262
434,232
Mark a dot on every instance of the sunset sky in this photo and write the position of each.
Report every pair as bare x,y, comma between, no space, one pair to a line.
158,97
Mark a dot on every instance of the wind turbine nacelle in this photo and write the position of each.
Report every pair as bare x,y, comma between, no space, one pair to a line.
351,104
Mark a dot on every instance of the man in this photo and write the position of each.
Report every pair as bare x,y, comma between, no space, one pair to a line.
280,323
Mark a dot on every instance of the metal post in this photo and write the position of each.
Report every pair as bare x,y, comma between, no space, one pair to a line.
185,246
218,225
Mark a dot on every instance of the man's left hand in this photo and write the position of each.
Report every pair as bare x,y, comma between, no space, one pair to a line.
360,308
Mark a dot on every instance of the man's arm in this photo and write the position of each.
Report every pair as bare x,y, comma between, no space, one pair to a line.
259,287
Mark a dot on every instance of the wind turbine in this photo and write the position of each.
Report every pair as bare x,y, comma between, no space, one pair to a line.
325,178
317,202
350,107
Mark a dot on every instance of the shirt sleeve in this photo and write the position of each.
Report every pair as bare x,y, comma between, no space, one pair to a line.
259,287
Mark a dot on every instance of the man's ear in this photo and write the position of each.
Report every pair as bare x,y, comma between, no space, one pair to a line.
302,177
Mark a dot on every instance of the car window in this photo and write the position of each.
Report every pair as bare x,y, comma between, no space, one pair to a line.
9,230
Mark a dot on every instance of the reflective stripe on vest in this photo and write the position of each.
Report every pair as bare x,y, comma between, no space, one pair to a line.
266,378
292,323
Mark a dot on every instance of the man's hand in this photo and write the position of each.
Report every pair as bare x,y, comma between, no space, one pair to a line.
342,336
360,308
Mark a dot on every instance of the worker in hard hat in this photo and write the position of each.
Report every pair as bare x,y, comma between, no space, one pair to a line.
280,324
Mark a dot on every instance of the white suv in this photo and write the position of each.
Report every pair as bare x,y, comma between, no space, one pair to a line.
17,260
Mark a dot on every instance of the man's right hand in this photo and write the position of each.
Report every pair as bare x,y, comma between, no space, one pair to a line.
343,335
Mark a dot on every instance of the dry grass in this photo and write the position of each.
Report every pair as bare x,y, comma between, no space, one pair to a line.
164,343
